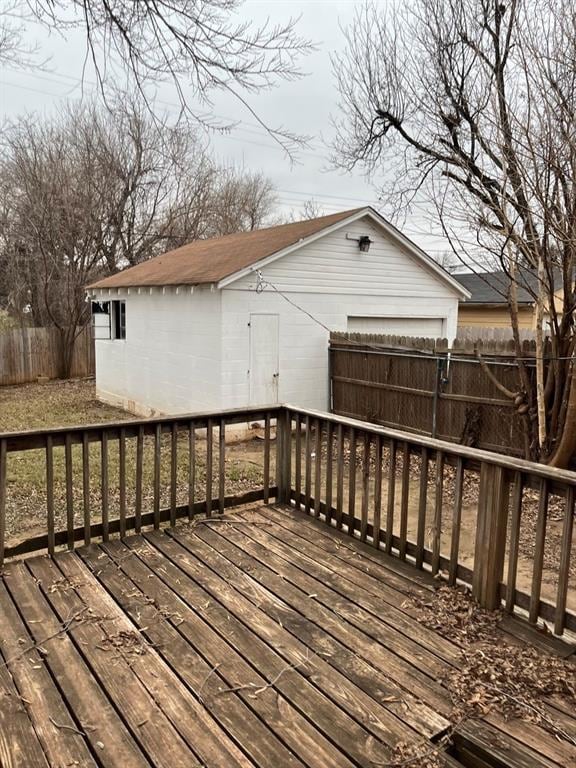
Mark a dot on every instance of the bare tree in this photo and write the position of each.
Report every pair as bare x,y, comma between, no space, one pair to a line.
472,102
198,46
83,196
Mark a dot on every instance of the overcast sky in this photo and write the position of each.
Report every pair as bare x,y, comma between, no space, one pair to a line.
303,106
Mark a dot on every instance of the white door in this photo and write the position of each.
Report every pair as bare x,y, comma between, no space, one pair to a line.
264,371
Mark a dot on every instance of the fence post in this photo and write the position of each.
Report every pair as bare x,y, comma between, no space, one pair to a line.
492,520
283,455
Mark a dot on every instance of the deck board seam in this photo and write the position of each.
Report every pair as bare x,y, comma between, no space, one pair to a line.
358,720
198,651
356,685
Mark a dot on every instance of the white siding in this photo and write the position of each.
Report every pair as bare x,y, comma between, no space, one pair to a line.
188,352
332,280
335,264
429,327
170,359
303,361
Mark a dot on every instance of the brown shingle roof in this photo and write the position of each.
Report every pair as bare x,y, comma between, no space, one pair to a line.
208,261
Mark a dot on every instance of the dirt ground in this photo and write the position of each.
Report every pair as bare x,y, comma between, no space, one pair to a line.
56,404
467,540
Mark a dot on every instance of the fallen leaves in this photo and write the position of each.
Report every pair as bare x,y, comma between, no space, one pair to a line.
495,674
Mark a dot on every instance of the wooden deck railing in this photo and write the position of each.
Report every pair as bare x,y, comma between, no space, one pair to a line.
469,516
501,525
118,477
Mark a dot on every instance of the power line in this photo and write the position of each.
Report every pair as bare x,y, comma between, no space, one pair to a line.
262,284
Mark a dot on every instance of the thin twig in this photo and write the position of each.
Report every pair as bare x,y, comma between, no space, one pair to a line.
258,689
526,704
35,646
63,726
208,676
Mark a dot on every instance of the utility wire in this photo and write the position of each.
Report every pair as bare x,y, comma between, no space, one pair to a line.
262,284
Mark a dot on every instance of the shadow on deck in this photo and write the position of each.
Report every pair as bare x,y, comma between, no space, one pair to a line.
257,638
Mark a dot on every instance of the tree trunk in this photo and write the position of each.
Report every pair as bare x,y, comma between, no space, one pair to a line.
566,447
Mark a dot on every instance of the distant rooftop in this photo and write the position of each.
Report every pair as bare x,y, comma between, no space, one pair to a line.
493,287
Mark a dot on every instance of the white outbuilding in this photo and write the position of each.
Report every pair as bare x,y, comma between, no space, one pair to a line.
244,319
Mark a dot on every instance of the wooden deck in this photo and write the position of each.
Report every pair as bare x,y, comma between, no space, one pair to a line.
261,638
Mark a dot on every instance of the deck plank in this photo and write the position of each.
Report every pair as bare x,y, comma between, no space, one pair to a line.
112,667
267,638
335,683
178,642
181,710
327,717
390,618
94,714
20,746
383,697
350,615
296,610
391,572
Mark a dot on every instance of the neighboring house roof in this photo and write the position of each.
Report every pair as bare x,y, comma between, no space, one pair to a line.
223,258
493,287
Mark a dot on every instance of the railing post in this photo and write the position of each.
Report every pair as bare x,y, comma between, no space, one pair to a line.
493,502
283,455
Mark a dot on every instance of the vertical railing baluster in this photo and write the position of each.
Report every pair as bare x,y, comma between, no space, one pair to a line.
515,521
86,487
339,476
3,482
284,456
329,457
307,467
298,468
422,505
352,482
209,459
317,467
50,494
456,522
538,567
157,469
104,484
365,487
122,480
404,499
221,466
267,459
138,479
173,472
377,492
564,568
438,500
69,490
191,468
391,495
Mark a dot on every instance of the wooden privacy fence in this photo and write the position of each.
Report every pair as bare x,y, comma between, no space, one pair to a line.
27,353
422,386
464,515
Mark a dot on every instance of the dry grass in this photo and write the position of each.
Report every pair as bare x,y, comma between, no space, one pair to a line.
57,404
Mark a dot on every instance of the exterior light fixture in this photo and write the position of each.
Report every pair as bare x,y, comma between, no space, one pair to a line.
363,241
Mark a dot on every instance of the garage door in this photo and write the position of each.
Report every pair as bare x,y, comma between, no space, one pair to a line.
430,327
